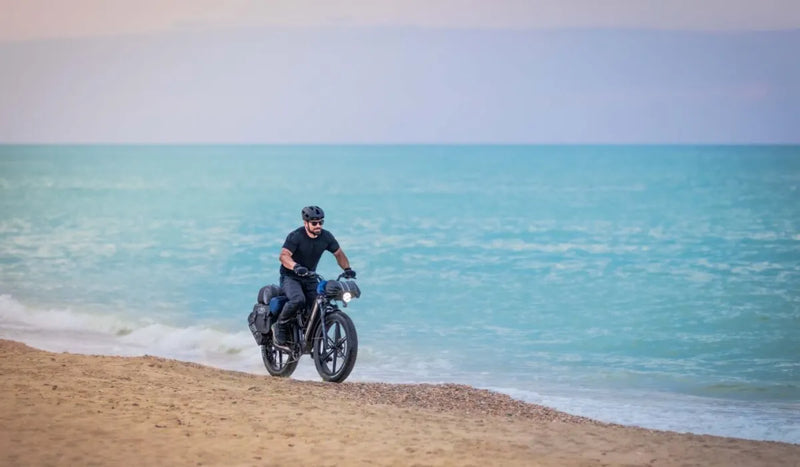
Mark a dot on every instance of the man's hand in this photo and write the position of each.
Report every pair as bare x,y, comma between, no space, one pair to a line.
300,270
349,274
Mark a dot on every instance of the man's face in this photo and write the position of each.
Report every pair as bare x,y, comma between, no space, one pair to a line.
314,226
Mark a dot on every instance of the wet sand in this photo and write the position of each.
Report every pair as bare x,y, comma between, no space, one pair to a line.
66,409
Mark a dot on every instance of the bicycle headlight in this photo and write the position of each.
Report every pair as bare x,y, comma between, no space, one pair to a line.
342,290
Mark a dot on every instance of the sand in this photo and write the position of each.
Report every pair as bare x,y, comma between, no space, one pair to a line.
66,409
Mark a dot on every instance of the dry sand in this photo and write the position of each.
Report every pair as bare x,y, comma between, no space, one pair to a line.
65,409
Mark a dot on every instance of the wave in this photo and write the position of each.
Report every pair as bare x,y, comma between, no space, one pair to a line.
68,330
674,412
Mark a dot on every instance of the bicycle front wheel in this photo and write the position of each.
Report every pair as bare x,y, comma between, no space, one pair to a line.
335,347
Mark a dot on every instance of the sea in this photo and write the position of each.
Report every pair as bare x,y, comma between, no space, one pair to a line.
654,286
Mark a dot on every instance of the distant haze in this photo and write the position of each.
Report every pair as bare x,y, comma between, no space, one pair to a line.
615,71
31,19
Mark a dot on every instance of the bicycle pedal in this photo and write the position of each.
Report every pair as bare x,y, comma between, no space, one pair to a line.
284,348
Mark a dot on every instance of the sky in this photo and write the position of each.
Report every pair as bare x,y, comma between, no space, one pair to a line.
397,72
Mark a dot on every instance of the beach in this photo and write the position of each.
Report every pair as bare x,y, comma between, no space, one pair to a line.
69,409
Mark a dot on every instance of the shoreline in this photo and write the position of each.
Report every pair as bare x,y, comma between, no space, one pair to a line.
108,410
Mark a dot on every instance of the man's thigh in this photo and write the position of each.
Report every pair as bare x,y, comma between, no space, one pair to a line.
293,289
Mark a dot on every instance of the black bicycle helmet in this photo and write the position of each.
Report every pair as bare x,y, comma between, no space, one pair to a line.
313,213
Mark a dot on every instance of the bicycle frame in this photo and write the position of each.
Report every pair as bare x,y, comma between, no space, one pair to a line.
305,334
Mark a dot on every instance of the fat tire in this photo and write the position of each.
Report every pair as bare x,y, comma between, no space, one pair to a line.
277,362
348,347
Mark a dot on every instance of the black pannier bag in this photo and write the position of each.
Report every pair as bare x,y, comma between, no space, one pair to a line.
336,289
259,322
260,319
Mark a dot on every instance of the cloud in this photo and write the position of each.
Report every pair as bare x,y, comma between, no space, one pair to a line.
38,19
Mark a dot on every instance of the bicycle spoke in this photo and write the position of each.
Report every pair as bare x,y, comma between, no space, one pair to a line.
279,358
333,349
328,354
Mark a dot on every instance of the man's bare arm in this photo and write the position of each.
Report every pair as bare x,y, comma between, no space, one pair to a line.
341,258
286,259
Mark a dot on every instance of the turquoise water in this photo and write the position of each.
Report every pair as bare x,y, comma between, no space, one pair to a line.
646,285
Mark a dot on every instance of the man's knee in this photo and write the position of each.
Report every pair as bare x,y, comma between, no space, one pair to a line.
297,301
292,306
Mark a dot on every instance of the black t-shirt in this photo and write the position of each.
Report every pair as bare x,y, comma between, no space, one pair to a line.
306,250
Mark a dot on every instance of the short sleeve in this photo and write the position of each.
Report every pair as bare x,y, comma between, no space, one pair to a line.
333,245
291,242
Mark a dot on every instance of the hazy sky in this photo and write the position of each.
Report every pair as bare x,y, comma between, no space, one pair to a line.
448,71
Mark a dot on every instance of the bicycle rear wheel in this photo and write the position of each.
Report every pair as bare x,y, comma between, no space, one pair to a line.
278,362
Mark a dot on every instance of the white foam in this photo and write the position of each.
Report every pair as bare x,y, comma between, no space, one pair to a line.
67,330
672,412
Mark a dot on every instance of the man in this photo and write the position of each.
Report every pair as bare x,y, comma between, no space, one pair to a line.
300,254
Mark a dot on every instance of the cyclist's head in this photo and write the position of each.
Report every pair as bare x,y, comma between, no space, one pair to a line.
311,213
313,217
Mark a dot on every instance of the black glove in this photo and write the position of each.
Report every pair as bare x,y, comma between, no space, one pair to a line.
300,270
349,274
